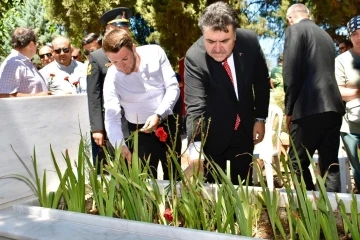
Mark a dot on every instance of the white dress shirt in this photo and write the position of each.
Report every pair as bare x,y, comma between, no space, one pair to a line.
194,148
153,89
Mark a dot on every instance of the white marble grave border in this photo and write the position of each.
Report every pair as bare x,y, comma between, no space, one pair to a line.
30,221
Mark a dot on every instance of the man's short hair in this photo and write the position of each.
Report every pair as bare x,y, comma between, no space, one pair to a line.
117,39
347,43
22,36
91,37
298,9
218,16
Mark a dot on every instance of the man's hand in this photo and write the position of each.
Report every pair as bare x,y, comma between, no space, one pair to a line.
98,137
151,123
272,83
258,132
195,167
126,153
288,122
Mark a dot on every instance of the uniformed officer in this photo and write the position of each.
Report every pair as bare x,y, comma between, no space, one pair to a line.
97,69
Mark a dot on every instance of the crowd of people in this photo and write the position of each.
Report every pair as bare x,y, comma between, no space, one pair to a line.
227,91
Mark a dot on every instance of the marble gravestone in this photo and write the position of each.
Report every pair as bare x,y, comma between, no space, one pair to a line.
36,122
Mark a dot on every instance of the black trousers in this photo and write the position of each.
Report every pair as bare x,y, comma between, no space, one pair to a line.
239,153
317,132
151,146
98,152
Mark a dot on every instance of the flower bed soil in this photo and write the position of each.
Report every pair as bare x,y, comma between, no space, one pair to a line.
264,229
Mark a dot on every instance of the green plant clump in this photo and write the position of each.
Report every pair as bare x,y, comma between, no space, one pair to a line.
130,191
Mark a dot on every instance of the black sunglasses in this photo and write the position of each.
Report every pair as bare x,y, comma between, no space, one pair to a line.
65,50
45,54
75,57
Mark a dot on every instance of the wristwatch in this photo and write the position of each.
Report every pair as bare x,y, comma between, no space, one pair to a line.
160,118
262,120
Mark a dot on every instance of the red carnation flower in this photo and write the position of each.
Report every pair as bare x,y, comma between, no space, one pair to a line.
168,215
66,78
51,79
75,83
161,134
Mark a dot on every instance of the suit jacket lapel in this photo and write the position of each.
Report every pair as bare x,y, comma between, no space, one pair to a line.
220,76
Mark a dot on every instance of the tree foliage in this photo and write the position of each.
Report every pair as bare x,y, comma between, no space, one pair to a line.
175,23
140,29
80,16
8,11
171,23
5,5
333,15
28,13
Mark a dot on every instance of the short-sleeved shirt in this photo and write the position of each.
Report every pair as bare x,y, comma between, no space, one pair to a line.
65,79
347,72
19,75
276,75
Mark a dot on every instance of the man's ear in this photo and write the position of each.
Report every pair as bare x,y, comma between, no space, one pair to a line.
33,44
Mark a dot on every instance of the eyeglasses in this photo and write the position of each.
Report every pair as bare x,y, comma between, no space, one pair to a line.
65,50
45,54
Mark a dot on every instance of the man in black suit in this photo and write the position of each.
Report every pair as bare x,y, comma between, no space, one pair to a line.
226,86
313,104
97,69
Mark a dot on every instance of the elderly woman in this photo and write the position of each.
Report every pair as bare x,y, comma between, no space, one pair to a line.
347,71
18,75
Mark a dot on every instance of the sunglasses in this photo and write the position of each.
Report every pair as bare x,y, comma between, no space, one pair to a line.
45,54
75,57
65,50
